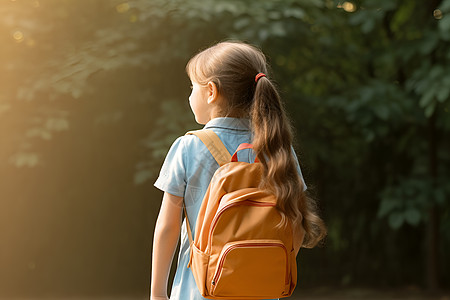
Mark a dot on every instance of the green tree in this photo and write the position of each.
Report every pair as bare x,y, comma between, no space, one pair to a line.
366,83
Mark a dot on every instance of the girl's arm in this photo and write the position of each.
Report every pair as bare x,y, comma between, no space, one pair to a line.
165,240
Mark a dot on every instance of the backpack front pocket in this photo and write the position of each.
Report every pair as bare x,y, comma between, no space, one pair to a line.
256,268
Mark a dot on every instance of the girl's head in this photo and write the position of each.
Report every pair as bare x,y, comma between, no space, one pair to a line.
231,67
225,74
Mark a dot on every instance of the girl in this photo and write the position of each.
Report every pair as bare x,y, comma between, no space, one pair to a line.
232,95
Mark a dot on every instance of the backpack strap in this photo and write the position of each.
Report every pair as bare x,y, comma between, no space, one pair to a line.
188,226
220,154
214,145
242,147
191,240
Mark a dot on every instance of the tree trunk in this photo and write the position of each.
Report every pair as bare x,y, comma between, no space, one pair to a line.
432,232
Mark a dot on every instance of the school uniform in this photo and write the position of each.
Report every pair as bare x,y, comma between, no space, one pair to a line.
186,172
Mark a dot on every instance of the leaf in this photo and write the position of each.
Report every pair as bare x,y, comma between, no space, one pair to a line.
396,220
443,93
39,132
439,196
427,98
382,112
436,72
368,25
57,124
359,17
369,136
263,34
142,176
277,29
444,24
294,13
445,35
429,110
429,43
274,15
25,159
445,6
412,216
386,206
242,23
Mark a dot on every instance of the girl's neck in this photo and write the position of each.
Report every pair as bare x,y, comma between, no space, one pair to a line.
230,114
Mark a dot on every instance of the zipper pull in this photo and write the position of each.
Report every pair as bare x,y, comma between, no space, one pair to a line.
213,282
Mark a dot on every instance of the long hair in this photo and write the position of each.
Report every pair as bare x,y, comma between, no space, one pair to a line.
232,66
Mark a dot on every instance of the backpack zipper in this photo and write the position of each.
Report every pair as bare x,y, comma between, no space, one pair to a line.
243,245
216,219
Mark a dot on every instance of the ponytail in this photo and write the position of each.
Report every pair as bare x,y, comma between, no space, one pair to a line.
232,66
272,140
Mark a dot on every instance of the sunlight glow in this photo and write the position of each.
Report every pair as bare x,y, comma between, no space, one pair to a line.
18,36
123,8
349,7
437,13
133,18
25,159
31,43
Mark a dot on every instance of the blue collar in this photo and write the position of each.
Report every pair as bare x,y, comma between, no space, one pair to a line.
229,123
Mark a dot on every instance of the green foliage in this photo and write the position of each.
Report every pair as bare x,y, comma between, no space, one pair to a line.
167,126
367,91
409,201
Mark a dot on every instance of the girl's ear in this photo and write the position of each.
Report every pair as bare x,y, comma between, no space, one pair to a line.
213,92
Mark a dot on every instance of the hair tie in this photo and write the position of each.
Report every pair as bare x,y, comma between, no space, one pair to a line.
257,77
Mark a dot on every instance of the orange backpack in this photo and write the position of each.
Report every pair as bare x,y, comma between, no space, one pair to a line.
238,253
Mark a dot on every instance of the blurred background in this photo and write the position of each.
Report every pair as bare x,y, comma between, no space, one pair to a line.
93,93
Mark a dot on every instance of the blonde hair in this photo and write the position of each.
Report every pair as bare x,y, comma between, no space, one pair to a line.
232,66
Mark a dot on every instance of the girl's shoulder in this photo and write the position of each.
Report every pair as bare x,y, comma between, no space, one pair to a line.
188,144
